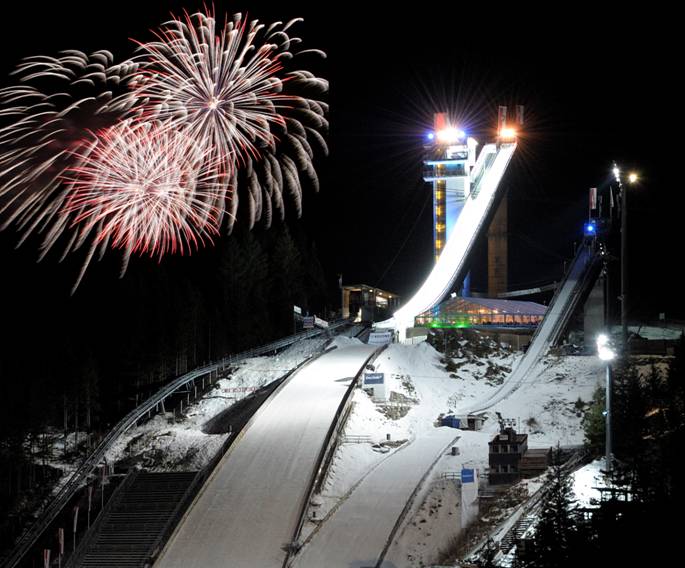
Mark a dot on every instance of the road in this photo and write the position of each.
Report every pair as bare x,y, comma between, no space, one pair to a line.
248,510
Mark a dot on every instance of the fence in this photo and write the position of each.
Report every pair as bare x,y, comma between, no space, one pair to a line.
80,476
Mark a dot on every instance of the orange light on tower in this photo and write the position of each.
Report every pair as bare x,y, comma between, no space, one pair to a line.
507,133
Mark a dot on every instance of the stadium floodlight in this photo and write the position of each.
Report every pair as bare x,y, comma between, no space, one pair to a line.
507,133
450,135
617,173
606,354
604,350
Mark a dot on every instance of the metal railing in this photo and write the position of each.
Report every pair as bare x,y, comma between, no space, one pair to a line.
80,476
92,531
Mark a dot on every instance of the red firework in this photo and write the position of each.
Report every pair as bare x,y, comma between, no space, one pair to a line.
146,190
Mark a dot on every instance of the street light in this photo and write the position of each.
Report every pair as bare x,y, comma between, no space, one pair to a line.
632,178
606,354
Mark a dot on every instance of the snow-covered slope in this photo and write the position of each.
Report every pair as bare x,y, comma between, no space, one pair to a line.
169,444
247,513
369,486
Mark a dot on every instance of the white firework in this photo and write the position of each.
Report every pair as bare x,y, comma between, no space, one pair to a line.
228,87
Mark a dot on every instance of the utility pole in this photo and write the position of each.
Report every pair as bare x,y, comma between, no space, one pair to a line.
624,262
607,412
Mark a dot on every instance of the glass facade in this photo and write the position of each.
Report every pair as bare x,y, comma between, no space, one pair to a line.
439,217
443,170
467,312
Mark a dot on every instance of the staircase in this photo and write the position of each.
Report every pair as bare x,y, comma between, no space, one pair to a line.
138,519
516,532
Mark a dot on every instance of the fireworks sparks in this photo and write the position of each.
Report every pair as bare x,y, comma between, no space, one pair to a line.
145,190
48,115
227,87
150,156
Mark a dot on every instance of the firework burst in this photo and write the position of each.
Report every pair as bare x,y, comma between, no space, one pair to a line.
143,189
46,118
150,156
228,87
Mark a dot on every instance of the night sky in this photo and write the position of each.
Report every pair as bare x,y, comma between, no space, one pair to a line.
596,88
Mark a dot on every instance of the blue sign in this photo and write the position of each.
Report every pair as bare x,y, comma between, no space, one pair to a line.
467,476
373,378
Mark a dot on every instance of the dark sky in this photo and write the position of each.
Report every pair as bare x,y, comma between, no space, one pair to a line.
597,87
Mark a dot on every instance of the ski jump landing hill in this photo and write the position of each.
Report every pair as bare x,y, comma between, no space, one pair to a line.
248,513
578,280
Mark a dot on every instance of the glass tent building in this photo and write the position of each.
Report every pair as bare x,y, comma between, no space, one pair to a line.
461,312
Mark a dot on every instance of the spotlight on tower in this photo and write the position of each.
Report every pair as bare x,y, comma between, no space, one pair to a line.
450,135
507,133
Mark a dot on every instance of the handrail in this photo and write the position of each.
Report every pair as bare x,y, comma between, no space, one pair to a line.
28,539
92,531
326,447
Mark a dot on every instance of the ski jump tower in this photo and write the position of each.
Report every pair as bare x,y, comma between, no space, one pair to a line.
465,184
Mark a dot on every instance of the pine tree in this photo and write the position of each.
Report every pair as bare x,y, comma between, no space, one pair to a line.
556,534
594,424
286,278
243,272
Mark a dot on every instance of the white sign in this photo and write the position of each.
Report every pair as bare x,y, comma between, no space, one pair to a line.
380,337
297,310
320,323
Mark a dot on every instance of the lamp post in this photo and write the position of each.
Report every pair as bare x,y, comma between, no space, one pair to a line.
624,267
606,354
632,178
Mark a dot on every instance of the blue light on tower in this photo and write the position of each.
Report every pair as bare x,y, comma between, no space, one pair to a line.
590,229
430,136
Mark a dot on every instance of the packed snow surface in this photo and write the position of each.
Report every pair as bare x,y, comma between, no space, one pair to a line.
247,513
365,496
166,443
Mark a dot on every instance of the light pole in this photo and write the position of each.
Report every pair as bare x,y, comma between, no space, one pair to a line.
624,267
606,354
632,178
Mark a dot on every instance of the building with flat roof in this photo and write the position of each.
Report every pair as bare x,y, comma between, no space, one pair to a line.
506,451
368,303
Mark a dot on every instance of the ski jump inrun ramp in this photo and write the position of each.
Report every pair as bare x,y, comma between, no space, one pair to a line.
487,174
